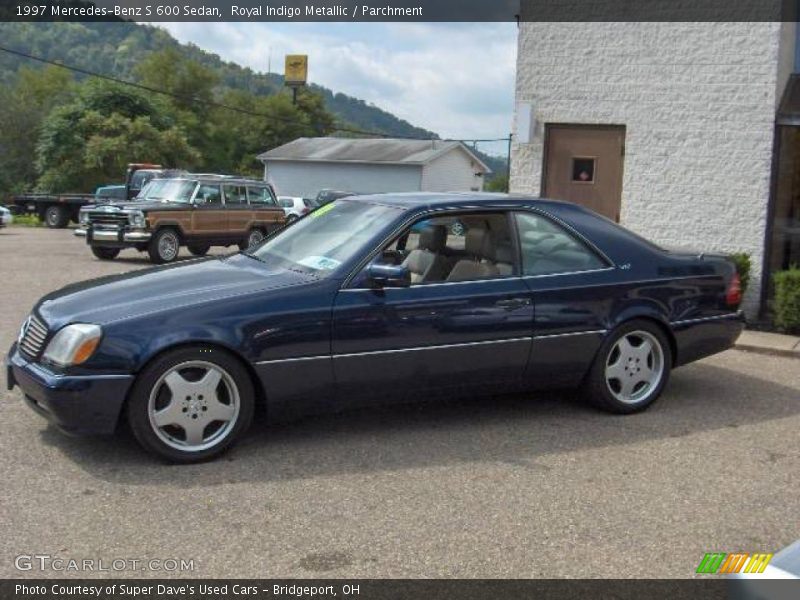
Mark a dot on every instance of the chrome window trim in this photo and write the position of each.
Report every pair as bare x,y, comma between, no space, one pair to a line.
439,284
493,279
547,275
434,347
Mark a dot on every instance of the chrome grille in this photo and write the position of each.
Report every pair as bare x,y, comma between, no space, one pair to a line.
33,338
108,219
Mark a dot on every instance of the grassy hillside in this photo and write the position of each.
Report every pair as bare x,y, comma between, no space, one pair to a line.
116,49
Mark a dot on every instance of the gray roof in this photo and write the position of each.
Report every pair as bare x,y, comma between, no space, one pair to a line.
366,151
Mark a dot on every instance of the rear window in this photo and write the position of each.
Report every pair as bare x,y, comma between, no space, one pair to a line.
548,249
260,195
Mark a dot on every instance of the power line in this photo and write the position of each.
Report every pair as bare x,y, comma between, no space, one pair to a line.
214,104
183,97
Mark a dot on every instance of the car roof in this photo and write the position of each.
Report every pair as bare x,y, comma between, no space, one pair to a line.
456,200
216,179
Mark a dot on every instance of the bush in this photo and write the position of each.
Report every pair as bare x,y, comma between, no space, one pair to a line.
742,262
787,298
27,221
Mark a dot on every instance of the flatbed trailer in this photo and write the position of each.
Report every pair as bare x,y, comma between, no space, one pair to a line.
57,210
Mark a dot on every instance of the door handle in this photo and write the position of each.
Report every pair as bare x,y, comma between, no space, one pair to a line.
512,303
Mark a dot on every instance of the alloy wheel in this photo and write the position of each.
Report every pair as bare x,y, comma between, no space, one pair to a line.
255,238
194,406
635,367
168,246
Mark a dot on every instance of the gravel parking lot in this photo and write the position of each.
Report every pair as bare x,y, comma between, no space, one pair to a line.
520,486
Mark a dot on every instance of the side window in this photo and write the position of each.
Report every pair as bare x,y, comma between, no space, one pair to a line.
235,194
260,195
549,249
286,202
464,247
208,194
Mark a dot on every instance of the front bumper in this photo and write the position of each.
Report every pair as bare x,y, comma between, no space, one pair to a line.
115,236
86,404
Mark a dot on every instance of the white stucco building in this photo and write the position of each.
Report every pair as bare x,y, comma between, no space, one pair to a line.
307,165
683,132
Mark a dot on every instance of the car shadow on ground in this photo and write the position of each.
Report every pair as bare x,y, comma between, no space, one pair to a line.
513,429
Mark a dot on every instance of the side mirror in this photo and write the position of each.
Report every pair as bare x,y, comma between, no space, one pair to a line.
389,275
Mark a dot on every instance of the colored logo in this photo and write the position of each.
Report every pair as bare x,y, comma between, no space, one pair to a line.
737,562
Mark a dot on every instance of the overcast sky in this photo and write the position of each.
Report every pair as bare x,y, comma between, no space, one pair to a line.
456,79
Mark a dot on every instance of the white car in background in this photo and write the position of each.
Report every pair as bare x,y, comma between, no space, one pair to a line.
5,217
295,207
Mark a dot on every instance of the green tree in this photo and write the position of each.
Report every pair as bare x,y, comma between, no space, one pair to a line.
190,86
498,183
238,137
88,141
23,107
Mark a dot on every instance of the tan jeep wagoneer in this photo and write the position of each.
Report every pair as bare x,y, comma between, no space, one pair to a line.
196,211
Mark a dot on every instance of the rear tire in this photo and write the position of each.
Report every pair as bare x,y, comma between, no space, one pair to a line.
254,238
164,246
105,253
191,404
630,370
56,217
199,250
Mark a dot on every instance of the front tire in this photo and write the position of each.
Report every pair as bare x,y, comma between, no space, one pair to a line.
254,238
164,246
191,404
105,253
56,217
630,370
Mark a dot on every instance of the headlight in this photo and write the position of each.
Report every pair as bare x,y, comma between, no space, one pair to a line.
136,219
74,344
84,217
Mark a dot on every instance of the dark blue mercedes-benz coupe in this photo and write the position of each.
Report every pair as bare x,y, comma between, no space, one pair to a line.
375,297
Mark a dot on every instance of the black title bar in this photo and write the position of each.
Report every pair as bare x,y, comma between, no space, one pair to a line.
399,10
711,588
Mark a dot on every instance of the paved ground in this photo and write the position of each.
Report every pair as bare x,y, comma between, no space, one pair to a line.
493,487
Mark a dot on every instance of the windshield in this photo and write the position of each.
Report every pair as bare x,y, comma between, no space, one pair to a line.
171,190
327,238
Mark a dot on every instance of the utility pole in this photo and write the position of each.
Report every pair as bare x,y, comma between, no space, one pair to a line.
508,164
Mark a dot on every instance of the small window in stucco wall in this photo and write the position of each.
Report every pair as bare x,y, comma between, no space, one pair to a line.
583,169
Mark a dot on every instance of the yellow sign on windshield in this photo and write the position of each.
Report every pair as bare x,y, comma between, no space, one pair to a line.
322,210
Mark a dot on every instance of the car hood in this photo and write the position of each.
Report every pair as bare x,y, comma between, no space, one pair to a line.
119,297
140,205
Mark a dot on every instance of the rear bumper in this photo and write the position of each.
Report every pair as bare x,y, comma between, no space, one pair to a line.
87,405
698,338
115,237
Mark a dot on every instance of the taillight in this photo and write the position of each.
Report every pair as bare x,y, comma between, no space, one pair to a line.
733,295
306,210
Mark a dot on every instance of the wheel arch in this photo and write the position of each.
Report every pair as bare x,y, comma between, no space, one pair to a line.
174,225
657,320
258,388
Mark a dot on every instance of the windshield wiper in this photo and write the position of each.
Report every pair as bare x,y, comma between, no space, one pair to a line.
253,256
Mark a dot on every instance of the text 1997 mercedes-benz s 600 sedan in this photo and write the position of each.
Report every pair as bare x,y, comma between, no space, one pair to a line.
375,296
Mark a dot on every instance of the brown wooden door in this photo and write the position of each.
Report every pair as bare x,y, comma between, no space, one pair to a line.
583,164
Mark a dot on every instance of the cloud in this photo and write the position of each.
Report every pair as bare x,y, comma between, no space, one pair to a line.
453,78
